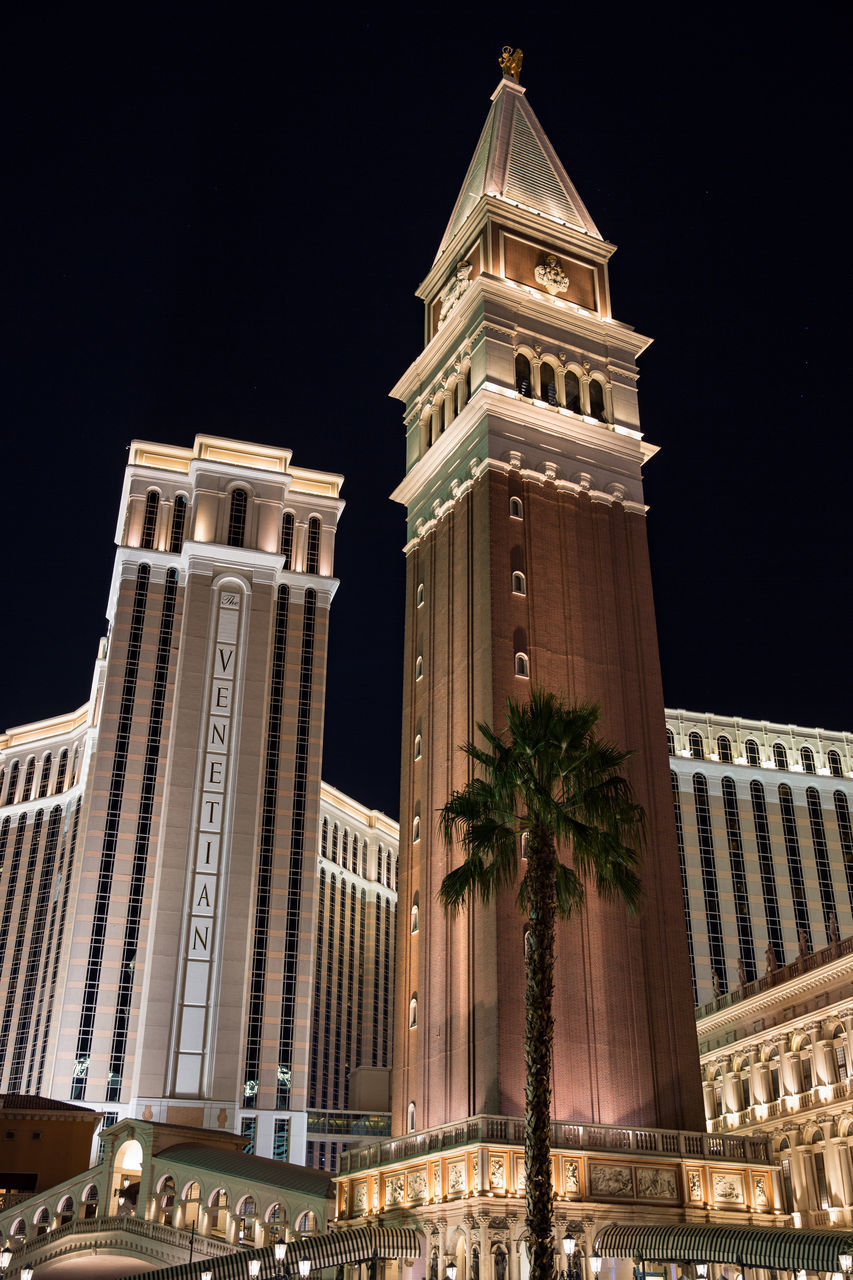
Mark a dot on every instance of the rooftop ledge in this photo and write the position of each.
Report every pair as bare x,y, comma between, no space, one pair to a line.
572,1137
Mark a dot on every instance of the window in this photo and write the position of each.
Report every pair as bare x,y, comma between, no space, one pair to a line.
285,546
27,788
62,769
670,742
410,1118
807,759
280,1141
149,519
14,769
840,1048
697,750
780,756
416,828
522,666
718,1092
312,550
44,778
795,863
218,1216
413,1012
237,518
418,744
415,926
523,380
596,400
519,586
773,1064
724,749
752,755
179,518
420,594
806,1066
525,844
833,759
775,948
516,510
306,1223
419,667
573,392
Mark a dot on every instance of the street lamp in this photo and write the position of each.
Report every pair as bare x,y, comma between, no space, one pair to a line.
450,1271
5,1258
304,1267
279,1249
573,1262
254,1268
595,1261
845,1262
701,1270
27,1272
207,1275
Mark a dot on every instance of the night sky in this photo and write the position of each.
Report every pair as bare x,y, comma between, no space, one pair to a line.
217,225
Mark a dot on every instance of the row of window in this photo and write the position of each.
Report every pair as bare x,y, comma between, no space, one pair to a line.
21,785
775,1080
542,381
725,753
775,955
236,534
438,415
338,845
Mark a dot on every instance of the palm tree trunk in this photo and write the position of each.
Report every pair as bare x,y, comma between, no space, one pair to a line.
538,1053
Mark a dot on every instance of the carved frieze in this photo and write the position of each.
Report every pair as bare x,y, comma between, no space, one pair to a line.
551,276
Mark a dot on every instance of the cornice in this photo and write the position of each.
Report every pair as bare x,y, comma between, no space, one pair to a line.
514,217
815,980
549,424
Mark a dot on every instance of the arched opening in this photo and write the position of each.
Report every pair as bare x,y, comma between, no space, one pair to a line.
411,1118
413,1012
697,749
179,520
65,1211
516,510
247,1216
419,667
44,776
306,1223
752,754
573,391
41,1221
806,1072
519,585
420,597
523,379
90,1201
773,1074
312,546
418,746
19,1229
780,756
285,547
833,759
548,384
218,1214
237,518
127,1168
724,749
191,1205
27,788
596,400
415,924
807,760
839,1045
62,770
670,742
522,666
166,1200
149,519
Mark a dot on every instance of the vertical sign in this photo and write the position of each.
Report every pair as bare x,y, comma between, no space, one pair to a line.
210,848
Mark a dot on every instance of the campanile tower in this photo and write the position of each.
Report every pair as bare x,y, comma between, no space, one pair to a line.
527,564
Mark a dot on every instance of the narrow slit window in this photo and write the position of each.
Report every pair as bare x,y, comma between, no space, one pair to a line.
237,518
522,665
519,586
149,520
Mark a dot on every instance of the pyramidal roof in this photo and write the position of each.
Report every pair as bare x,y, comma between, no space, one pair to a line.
514,160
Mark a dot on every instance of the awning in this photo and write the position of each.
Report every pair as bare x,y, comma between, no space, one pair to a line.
356,1245
329,1250
786,1247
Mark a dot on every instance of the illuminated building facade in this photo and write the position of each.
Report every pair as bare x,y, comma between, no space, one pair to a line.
175,943
766,841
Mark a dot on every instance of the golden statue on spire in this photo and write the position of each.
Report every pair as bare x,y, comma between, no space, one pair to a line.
510,61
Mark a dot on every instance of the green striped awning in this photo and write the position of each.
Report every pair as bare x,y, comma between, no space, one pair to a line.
330,1250
784,1247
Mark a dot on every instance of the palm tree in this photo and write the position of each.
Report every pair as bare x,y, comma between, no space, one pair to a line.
549,779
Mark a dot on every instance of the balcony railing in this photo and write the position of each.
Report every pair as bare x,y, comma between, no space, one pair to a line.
571,1137
803,964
